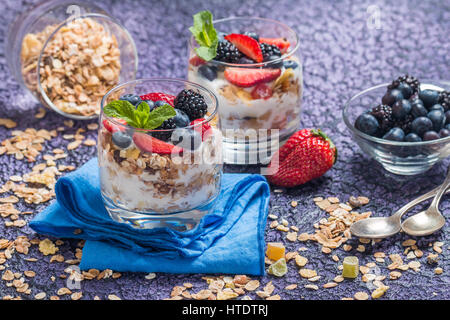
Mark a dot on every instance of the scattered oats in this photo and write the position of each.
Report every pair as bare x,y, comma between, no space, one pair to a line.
188,285
333,200
275,297
29,273
314,279
364,269
361,295
363,200
437,249
40,295
379,254
54,298
338,279
92,126
347,247
252,285
69,123
438,244
364,240
335,258
41,113
292,236
311,286
272,216
150,276
378,292
294,204
307,273
89,142
301,261
394,275
330,285
76,295
368,277
326,250
73,145
411,255
8,275
202,295
432,258
317,199
63,291
113,297
409,242
226,295
290,255
282,228
291,286
294,228
284,222
361,248
415,265
303,237
438,271
8,123
57,258
273,224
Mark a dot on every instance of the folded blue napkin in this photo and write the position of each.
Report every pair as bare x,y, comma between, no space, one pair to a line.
230,239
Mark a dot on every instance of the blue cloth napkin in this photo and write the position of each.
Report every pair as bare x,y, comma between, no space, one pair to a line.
230,239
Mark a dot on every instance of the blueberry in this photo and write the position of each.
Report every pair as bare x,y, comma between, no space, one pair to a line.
181,119
430,135
429,97
188,139
151,104
447,117
252,35
405,89
412,137
447,126
438,119
160,103
395,134
121,139
208,72
421,125
274,64
245,60
131,98
418,109
444,133
437,106
290,64
367,124
401,109
391,97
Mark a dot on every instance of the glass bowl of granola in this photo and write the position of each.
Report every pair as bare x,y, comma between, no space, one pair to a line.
254,68
69,54
159,153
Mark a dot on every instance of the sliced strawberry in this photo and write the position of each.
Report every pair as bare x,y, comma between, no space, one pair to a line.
111,127
156,96
150,144
196,61
205,129
261,91
281,43
246,77
247,45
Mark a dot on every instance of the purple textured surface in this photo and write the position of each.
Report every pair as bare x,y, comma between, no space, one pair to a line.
341,56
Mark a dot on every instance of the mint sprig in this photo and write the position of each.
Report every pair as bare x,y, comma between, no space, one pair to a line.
140,117
205,35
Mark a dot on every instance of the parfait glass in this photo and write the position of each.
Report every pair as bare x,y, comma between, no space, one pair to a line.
145,185
255,120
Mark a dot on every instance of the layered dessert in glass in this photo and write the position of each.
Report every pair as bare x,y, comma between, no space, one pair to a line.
159,153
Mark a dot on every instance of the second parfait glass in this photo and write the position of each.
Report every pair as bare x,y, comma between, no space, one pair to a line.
255,120
145,185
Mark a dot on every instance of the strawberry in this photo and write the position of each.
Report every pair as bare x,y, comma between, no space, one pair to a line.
148,143
312,156
281,43
205,129
156,96
196,61
261,91
247,45
246,77
292,142
111,127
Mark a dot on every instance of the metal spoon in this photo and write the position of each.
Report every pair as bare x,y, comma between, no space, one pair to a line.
430,220
383,227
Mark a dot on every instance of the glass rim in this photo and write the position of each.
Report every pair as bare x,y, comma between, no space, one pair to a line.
214,99
62,24
380,141
257,64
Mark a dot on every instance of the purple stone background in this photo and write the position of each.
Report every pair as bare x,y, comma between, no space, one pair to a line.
341,56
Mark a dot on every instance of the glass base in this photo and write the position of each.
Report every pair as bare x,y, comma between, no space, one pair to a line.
180,221
407,170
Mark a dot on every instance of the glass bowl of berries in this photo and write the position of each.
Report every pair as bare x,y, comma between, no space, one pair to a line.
159,153
253,67
404,125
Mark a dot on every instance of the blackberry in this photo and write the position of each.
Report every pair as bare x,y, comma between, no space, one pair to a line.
406,79
165,135
405,124
383,114
227,52
192,103
269,50
444,100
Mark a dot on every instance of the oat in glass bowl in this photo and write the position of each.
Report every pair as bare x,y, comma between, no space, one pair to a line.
69,54
159,153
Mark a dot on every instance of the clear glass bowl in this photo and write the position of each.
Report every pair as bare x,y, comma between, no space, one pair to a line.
253,127
403,158
147,188
66,73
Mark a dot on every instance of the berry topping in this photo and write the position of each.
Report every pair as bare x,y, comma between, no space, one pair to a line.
131,98
437,117
150,144
391,97
281,43
383,114
157,96
168,124
244,77
408,85
269,51
111,127
208,72
227,52
247,45
121,139
290,64
196,61
191,103
205,129
181,119
421,125
401,109
252,35
444,99
261,91
418,109
429,97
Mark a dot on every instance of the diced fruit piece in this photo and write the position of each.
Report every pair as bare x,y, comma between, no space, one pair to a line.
150,144
261,91
111,127
247,45
131,98
121,139
204,130
196,61
155,96
246,77
275,251
351,267
278,268
281,43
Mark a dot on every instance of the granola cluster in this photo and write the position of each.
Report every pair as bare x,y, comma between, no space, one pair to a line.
79,65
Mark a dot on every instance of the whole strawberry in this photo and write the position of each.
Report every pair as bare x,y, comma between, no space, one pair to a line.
307,155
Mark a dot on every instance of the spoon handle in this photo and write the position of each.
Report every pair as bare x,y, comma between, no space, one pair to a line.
441,190
400,212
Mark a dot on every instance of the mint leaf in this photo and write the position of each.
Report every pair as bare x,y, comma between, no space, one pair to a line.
123,110
142,113
205,35
159,115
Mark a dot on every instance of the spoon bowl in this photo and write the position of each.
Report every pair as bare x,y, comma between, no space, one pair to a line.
423,223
